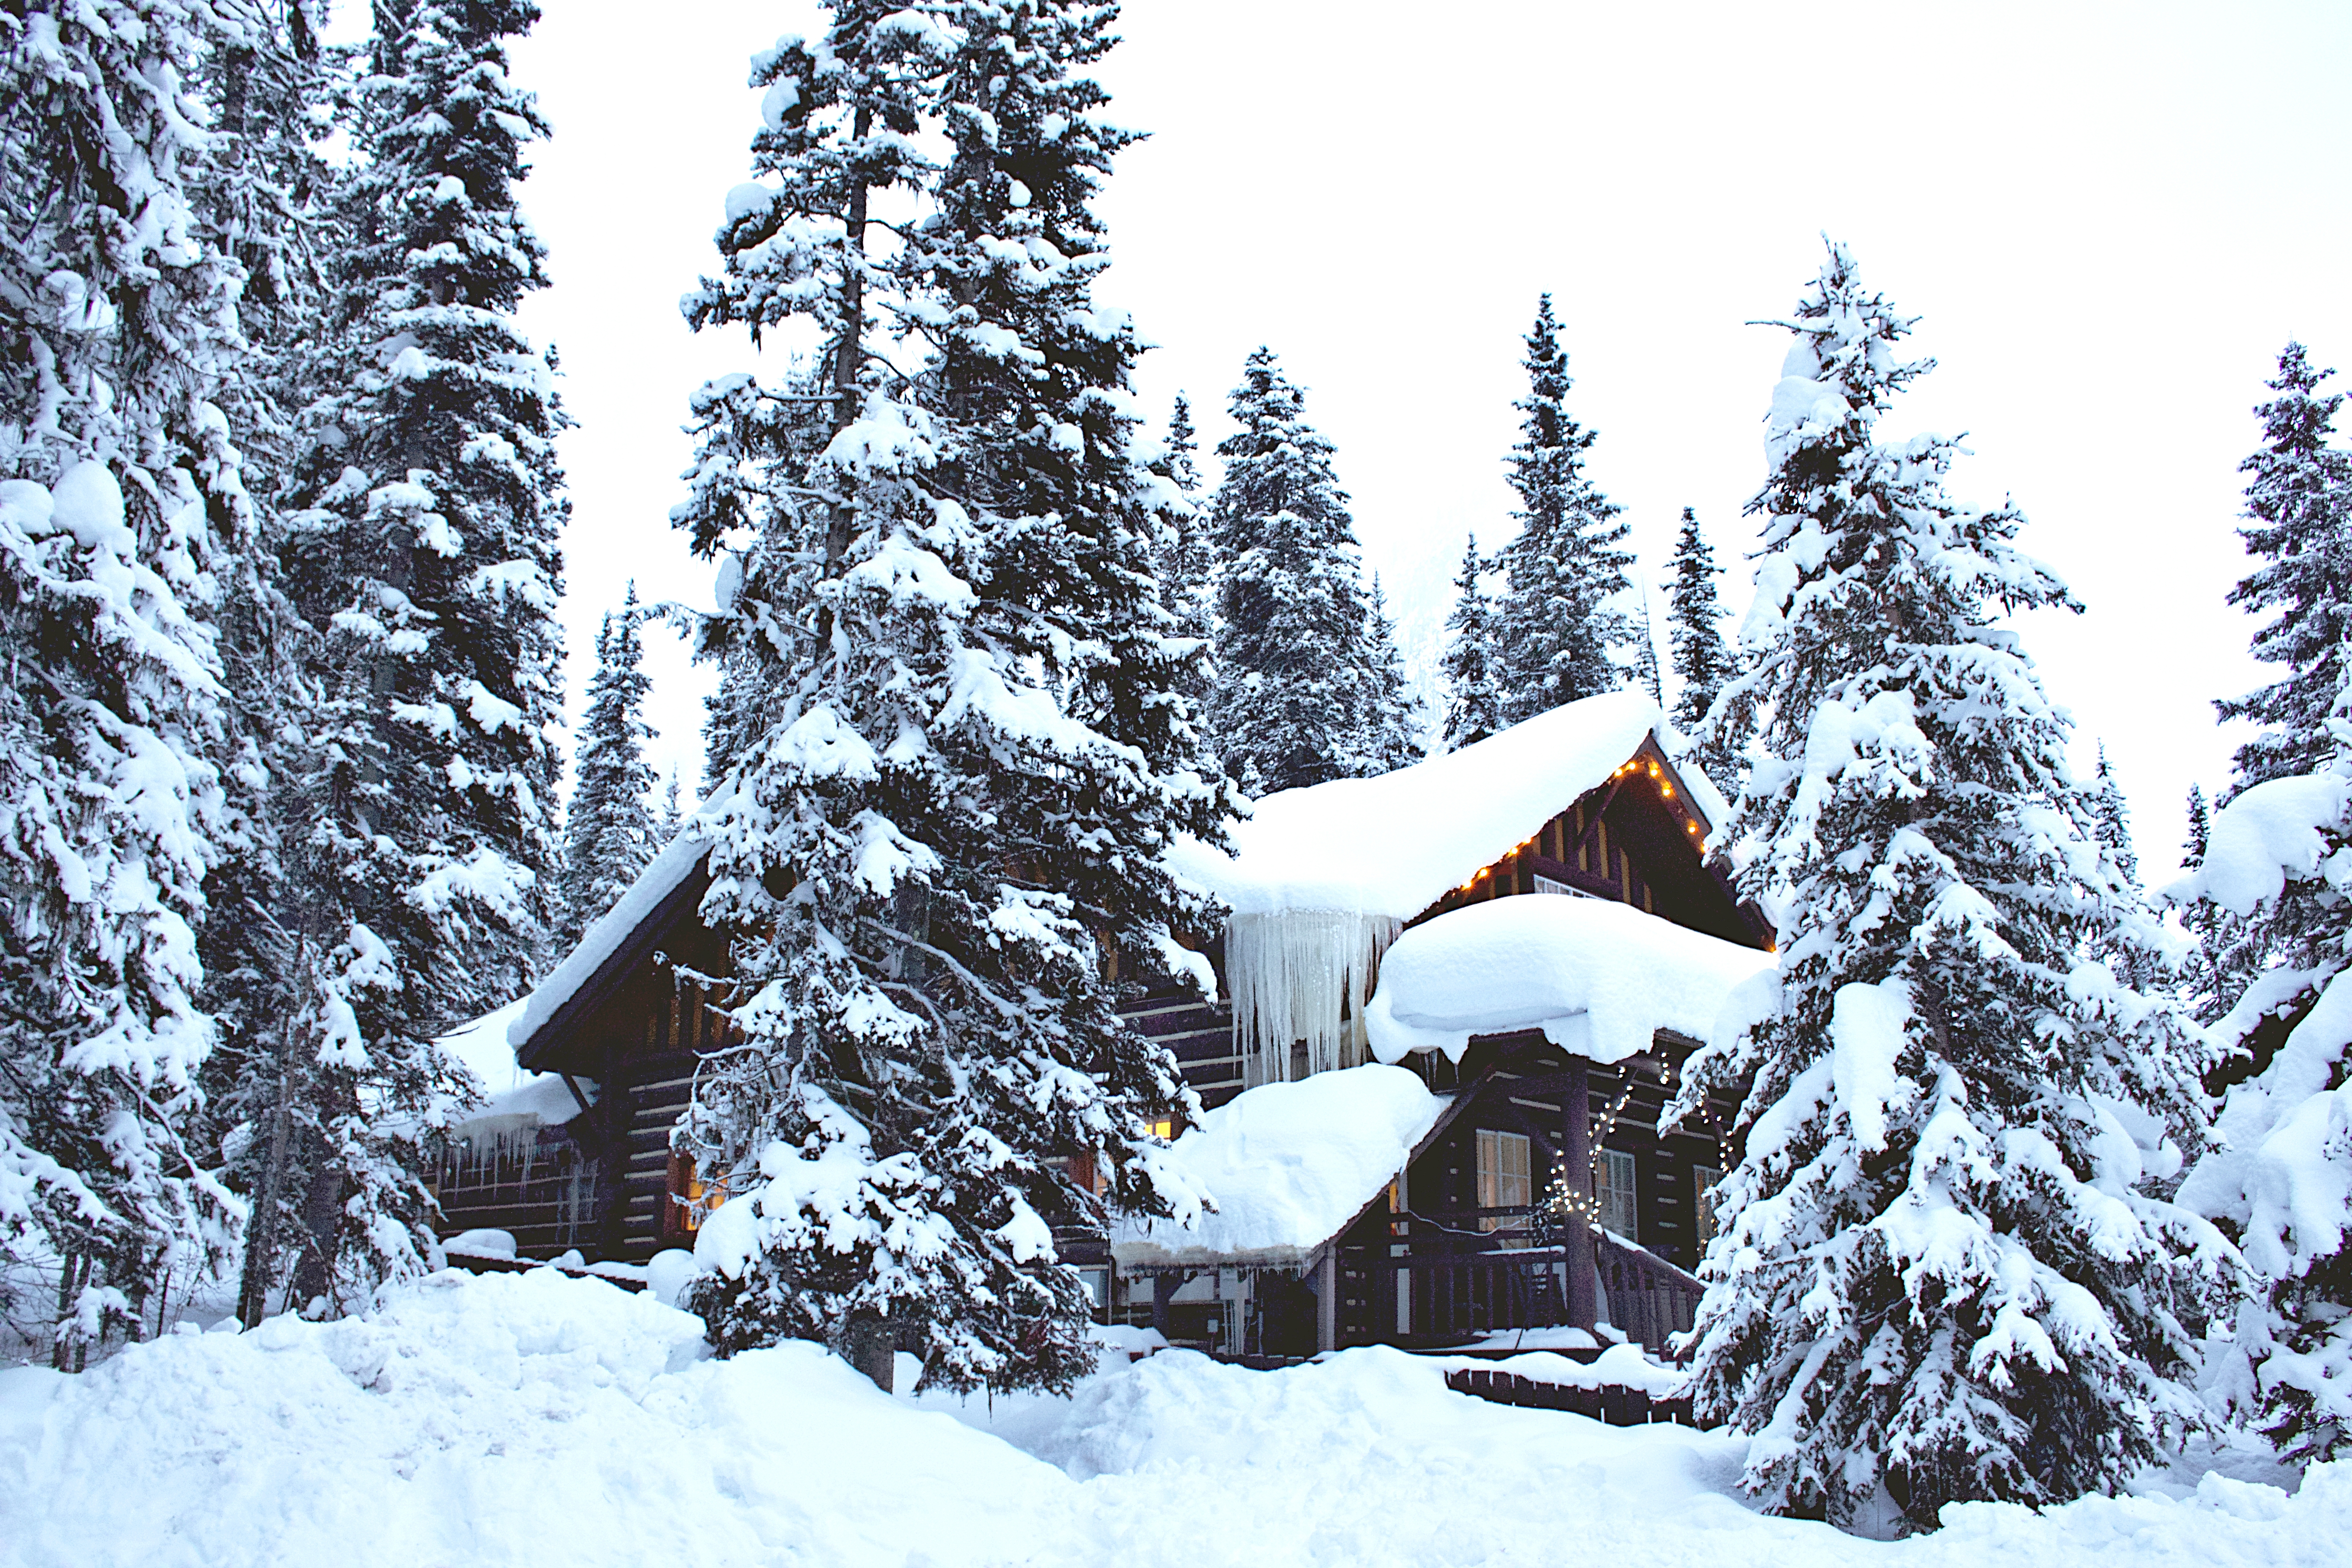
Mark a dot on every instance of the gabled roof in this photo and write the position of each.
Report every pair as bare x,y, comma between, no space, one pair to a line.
1388,847
664,894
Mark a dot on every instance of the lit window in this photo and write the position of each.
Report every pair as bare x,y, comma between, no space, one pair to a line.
1165,1128
1704,1181
1615,1198
1504,1179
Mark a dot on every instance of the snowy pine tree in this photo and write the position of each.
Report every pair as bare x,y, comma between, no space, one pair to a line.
1702,661
1474,702
122,509
1188,561
1646,656
1561,639
1392,723
423,556
2299,501
2280,1177
1939,1273
1292,705
979,745
2113,816
608,839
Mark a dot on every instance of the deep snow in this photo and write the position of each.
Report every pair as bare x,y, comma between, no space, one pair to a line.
534,1418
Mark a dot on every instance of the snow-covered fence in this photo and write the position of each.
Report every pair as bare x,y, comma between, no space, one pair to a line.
1447,1297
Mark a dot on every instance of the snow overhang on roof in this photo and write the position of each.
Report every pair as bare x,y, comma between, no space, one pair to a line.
1388,848
613,945
1289,1164
1599,980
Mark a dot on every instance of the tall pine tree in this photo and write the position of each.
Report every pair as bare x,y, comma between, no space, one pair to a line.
1294,704
121,511
608,832
1473,700
1940,1272
978,743
2299,507
424,558
1562,640
1188,561
1702,661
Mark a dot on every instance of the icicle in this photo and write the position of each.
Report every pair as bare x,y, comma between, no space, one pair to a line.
1303,975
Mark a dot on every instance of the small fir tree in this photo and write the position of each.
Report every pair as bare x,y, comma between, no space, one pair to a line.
1561,639
1645,656
2113,816
1941,1275
1702,661
1293,705
1474,705
1188,559
2299,506
608,839
1392,712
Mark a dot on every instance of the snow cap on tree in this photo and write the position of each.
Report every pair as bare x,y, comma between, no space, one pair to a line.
1943,1272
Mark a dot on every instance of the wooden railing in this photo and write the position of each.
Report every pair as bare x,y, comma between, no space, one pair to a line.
1445,1281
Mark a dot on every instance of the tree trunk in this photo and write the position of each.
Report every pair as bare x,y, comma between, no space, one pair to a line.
871,1346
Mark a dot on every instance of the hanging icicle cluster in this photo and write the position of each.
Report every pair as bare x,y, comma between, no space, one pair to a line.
1303,975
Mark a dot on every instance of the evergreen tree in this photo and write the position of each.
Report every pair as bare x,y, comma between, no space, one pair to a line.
1939,1271
671,819
607,839
2279,1177
2200,829
1187,560
1645,656
2299,499
1292,705
424,558
1392,714
1560,639
980,743
121,507
1474,709
2113,816
1702,661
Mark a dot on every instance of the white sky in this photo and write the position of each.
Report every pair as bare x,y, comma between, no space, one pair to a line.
2110,215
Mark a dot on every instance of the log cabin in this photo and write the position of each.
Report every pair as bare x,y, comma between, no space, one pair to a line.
1452,1002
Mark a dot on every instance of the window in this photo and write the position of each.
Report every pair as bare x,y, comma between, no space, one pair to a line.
1615,1198
1703,1179
689,1203
1503,1178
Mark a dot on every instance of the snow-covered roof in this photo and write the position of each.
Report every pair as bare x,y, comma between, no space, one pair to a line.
1390,847
1600,979
1289,1164
518,1101
668,873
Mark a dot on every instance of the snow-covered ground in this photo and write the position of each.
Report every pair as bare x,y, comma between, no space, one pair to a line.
535,1418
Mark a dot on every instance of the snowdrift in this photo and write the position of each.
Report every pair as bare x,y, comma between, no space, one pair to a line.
530,1419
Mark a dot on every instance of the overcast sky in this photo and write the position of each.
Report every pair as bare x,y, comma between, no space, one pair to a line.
2109,217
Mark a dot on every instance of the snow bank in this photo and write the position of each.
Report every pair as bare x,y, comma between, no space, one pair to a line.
1598,979
1393,846
529,1419
1288,1164
1619,1366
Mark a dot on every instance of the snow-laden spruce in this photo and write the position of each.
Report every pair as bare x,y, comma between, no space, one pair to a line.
608,824
1704,663
2299,513
421,551
122,509
1474,690
962,744
1562,637
1303,664
2280,1177
1940,1274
